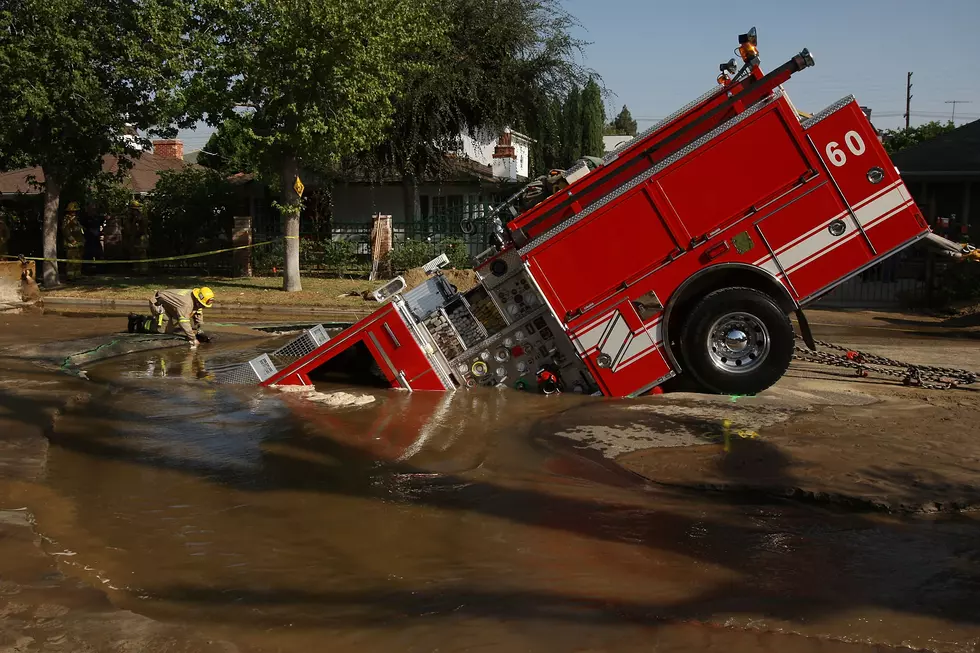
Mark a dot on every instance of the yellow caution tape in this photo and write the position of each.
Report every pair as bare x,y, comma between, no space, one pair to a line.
181,257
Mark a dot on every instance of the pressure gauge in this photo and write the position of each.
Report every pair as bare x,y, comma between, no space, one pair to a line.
485,355
513,309
519,336
508,342
522,367
463,368
501,372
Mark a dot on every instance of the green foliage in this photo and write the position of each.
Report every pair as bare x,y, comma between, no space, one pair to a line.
572,127
191,210
457,252
76,75
232,147
318,76
107,196
337,256
268,257
895,140
411,253
550,138
957,282
498,65
593,119
623,124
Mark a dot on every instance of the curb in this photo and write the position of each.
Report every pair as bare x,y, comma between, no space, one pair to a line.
280,309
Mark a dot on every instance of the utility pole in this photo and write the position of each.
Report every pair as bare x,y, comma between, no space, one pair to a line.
908,98
954,103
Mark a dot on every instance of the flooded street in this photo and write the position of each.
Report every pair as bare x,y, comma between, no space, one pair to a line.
467,522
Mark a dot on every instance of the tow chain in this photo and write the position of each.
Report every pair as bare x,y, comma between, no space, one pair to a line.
921,376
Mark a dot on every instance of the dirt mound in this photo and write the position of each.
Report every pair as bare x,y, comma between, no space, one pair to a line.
462,279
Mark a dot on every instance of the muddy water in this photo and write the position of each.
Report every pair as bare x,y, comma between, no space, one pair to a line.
457,523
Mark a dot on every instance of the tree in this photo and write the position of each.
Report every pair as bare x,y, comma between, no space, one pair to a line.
76,75
623,123
593,119
572,128
319,78
497,65
189,210
899,139
549,154
231,149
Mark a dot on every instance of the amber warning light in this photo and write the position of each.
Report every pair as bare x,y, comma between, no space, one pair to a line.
748,47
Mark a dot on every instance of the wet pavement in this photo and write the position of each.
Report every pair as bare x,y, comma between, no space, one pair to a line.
489,520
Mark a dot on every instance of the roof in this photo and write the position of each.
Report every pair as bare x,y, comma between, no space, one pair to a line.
141,178
955,153
454,168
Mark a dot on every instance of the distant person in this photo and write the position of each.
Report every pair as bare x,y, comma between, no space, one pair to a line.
184,309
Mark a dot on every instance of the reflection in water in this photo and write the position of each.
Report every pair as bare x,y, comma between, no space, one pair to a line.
453,522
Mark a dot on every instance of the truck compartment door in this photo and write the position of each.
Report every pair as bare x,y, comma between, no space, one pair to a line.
812,242
624,355
881,208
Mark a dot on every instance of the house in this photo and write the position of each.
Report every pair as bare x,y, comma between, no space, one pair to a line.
943,175
484,171
612,143
21,191
141,178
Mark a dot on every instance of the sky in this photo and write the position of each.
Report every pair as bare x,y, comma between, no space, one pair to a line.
657,55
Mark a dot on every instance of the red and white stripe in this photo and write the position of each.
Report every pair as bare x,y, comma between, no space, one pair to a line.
871,211
611,335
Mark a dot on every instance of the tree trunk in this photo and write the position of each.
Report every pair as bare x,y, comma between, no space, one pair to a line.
291,208
49,230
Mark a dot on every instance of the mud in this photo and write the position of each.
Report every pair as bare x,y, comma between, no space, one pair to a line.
489,520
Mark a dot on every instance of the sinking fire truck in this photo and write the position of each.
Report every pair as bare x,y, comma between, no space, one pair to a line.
683,252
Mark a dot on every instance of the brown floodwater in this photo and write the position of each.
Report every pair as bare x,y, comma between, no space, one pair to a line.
430,522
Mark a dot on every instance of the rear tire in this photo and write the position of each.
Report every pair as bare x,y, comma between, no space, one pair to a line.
737,341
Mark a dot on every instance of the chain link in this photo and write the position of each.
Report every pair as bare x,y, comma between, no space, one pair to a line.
923,376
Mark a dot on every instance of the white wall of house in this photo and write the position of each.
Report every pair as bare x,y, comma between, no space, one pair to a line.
610,143
479,149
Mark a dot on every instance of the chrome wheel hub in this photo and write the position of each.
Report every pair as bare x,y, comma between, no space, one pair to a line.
738,342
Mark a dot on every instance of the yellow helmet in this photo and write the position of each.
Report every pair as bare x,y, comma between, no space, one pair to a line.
204,295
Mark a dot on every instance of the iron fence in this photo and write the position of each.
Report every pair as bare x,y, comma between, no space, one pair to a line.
434,229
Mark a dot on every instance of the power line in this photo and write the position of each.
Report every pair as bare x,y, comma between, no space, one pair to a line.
954,103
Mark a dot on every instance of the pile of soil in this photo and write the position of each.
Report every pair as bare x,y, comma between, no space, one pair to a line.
462,279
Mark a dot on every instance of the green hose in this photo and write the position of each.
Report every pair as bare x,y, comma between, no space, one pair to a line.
67,362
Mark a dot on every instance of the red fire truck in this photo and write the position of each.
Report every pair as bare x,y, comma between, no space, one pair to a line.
685,251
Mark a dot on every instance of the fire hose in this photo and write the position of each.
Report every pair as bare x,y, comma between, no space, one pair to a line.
863,363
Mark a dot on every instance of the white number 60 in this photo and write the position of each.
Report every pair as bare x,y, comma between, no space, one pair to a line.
854,143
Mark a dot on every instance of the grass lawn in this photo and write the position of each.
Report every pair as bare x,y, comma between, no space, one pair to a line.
254,291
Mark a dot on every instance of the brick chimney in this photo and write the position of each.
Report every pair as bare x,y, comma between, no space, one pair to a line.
169,149
505,158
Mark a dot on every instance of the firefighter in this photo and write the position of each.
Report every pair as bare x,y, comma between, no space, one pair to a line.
184,309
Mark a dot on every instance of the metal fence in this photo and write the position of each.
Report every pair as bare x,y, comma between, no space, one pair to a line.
902,281
433,229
